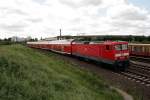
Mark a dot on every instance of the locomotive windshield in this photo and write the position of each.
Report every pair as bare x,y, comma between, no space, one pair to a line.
121,47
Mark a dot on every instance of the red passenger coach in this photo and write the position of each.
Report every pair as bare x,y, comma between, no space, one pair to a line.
115,53
139,49
61,46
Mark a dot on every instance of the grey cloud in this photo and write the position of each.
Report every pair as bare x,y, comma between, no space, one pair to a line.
92,2
143,29
17,27
131,19
81,3
76,20
69,3
128,19
131,15
123,23
39,1
19,12
35,20
95,25
13,11
132,26
77,28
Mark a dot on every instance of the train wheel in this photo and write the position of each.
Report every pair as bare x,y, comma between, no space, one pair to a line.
122,68
116,68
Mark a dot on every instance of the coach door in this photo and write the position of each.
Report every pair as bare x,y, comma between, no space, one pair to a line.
108,51
146,50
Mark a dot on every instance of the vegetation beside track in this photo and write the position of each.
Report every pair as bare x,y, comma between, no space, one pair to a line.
26,74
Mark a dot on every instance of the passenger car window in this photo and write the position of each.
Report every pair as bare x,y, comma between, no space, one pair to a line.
124,46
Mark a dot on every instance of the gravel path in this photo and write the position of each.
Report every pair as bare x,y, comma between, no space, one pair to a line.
125,95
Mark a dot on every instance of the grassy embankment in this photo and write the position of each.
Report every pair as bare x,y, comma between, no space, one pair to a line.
26,74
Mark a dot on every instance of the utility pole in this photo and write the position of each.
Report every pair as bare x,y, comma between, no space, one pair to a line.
60,35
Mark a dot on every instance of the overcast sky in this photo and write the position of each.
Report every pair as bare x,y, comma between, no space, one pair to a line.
44,18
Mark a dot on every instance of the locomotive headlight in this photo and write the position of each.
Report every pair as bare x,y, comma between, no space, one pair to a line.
126,54
122,55
117,55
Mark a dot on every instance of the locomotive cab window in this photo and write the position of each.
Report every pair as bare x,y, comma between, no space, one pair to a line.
118,47
121,47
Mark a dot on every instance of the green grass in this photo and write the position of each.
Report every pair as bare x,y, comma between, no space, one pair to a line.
26,74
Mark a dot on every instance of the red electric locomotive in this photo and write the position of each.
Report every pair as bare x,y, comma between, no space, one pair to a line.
115,53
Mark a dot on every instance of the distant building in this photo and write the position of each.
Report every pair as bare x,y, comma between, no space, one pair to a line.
28,38
20,39
50,39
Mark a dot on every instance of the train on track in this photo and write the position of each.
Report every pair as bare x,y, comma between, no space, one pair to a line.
115,53
136,49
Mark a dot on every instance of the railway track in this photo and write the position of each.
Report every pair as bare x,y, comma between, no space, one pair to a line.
139,78
139,67
142,67
141,59
135,77
138,72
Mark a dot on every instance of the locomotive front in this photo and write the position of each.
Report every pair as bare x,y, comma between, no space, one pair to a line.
121,55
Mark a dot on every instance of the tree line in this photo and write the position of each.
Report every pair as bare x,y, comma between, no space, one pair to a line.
130,38
134,39
8,41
